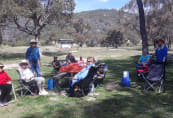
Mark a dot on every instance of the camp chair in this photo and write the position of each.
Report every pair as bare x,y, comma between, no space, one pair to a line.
101,74
155,78
142,71
24,87
84,85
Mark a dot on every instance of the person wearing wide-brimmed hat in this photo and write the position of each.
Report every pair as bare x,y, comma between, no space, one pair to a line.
161,51
33,57
28,77
5,86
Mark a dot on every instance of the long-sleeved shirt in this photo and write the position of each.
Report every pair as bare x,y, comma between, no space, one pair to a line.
161,54
26,74
32,54
4,78
71,59
82,74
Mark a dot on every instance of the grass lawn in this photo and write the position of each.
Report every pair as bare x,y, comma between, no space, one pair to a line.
111,101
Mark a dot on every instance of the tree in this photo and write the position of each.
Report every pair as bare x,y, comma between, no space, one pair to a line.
142,25
114,39
158,18
81,31
32,16
3,17
79,39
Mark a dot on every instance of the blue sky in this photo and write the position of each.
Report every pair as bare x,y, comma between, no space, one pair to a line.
85,5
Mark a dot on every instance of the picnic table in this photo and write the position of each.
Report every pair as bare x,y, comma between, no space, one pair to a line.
73,68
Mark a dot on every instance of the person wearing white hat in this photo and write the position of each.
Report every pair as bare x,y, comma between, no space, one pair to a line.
5,86
28,76
33,57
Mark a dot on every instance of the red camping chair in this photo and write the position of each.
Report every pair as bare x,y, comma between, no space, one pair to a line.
142,71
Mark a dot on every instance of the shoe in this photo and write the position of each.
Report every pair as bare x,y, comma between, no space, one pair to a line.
45,92
1,104
41,93
5,104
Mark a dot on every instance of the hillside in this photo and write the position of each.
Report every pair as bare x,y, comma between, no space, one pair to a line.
100,20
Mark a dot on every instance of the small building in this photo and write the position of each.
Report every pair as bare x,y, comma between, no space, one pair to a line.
65,43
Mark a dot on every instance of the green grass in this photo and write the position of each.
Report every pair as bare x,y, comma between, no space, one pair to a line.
122,102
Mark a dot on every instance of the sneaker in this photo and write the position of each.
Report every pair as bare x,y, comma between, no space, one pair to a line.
1,104
41,93
45,92
5,104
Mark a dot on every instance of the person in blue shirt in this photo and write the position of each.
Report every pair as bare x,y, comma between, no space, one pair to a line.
161,51
81,75
33,57
144,59
70,58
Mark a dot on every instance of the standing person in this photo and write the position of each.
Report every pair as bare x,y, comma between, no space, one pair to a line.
33,57
70,58
161,51
5,86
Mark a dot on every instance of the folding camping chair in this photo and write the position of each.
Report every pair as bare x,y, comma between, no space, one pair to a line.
24,87
142,71
101,74
155,78
84,86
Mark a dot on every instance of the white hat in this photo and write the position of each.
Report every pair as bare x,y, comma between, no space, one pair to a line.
1,65
23,62
33,41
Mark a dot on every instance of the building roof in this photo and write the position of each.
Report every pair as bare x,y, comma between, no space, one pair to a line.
65,39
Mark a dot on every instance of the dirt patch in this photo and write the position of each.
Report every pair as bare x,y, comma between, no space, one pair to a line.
11,66
90,99
59,93
94,94
53,99
111,86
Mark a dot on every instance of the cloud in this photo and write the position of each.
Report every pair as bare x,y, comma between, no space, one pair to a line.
103,0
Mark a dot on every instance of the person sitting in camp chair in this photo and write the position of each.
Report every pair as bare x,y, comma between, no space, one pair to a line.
28,77
100,75
70,59
56,64
143,60
5,86
81,75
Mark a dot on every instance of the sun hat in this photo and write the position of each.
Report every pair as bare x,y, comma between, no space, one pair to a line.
23,62
33,41
160,40
1,65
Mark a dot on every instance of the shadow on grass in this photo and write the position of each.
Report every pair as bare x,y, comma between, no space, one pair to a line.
54,53
12,56
125,103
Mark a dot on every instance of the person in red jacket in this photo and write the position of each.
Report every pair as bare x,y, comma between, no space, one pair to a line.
5,86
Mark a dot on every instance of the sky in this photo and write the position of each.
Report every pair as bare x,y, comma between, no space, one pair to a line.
85,5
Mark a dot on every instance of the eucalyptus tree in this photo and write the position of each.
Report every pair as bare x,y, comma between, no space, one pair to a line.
32,16
159,18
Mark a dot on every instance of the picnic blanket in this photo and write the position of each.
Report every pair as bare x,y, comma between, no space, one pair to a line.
73,68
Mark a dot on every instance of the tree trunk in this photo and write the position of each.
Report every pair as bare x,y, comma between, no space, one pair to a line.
142,26
1,38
